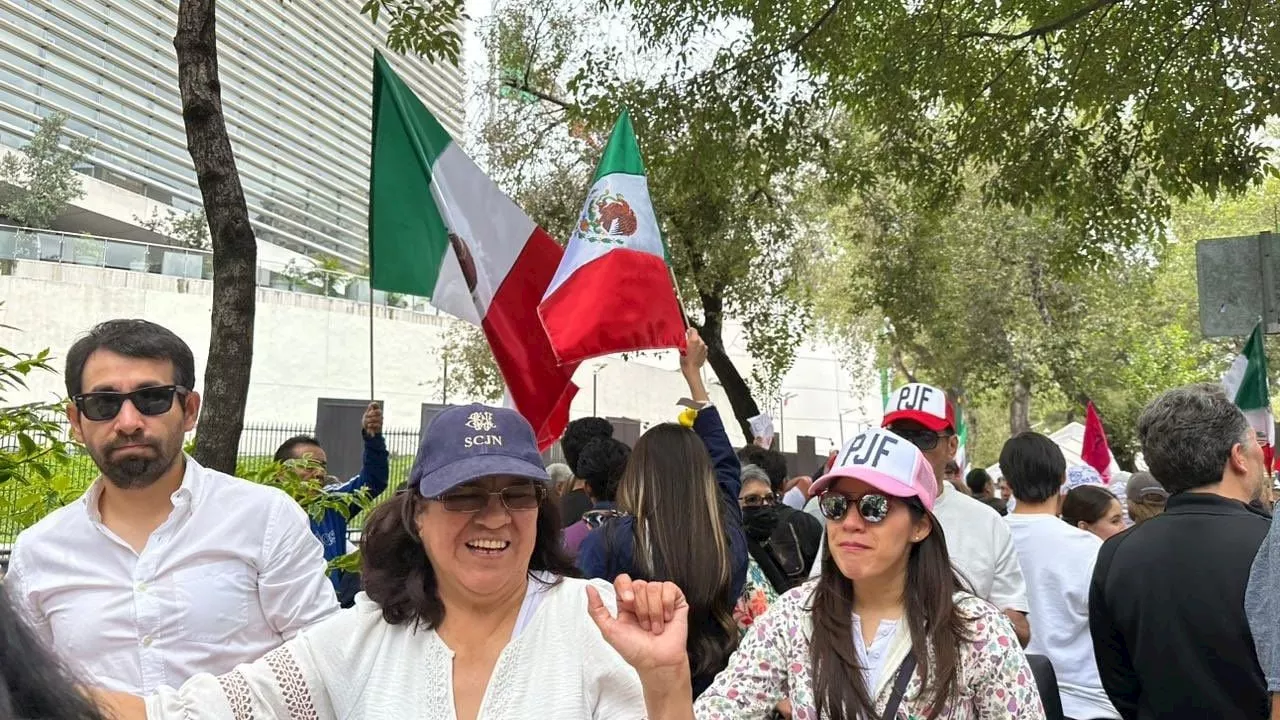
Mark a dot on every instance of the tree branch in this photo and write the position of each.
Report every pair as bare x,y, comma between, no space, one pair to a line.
1041,30
545,97
792,46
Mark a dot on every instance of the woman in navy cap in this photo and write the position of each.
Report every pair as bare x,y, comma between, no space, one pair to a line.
467,612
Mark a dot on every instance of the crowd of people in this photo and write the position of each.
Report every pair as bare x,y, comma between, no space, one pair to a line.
677,578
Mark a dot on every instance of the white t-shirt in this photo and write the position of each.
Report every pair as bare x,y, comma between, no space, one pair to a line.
1058,560
981,549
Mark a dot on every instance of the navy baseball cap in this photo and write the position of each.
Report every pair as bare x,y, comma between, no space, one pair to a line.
468,442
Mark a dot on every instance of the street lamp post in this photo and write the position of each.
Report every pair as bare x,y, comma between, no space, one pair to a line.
595,375
842,414
782,421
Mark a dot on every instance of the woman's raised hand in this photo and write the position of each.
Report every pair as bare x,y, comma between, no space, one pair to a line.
695,354
652,625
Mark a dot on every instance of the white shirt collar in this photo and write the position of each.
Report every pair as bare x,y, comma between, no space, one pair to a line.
186,494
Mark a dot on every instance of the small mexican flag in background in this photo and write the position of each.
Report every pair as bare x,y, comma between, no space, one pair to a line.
613,291
440,228
1246,384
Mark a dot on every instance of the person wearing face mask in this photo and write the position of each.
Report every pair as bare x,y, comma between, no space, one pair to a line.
469,610
796,536
765,580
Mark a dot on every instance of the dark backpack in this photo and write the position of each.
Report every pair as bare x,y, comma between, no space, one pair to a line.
794,543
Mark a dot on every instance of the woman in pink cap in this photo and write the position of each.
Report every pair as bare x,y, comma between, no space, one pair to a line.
886,631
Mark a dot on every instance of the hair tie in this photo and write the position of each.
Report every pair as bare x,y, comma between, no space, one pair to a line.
687,416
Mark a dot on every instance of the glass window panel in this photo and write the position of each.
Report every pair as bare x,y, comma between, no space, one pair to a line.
8,237
83,251
125,256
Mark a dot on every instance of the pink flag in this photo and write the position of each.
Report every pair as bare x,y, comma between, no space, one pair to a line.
1095,451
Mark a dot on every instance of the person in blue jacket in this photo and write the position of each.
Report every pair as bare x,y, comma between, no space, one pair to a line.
331,529
679,521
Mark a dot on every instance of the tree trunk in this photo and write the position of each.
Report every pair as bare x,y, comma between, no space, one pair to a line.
235,252
1020,407
735,387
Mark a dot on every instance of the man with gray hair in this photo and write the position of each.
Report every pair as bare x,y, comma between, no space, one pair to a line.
1167,600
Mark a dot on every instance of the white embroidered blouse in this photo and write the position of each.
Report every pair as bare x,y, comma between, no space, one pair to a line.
355,666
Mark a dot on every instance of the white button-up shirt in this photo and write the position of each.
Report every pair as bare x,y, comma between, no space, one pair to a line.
229,576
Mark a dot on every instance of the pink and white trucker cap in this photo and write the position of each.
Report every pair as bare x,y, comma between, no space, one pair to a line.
887,463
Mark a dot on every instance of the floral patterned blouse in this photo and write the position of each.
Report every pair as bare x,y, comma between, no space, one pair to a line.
757,595
772,663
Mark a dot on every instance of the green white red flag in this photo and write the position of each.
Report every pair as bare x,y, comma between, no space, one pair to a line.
440,228
613,290
1246,384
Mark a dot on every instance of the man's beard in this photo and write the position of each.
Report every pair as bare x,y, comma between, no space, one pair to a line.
133,472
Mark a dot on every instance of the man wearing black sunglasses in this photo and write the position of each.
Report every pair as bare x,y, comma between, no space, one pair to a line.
978,540
163,569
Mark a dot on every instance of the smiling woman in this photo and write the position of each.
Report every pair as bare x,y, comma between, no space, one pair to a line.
469,613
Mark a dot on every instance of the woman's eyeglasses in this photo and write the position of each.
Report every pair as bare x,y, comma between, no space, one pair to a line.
873,508
151,401
756,500
473,500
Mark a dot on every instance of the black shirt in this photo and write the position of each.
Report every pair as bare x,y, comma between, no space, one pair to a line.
1166,612
572,506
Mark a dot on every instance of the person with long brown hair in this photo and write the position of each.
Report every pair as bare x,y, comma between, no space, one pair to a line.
886,631
680,522
469,611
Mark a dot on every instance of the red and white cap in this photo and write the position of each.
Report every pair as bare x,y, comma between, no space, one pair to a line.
887,463
922,403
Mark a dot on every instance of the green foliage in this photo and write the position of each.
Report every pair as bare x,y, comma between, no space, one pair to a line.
1096,113
190,230
427,28
471,371
298,478
42,179
33,456
977,299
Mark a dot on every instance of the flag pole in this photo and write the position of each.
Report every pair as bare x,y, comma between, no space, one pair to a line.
372,397
679,297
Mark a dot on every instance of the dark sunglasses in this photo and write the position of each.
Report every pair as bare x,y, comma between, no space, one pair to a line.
873,508
925,440
473,500
99,406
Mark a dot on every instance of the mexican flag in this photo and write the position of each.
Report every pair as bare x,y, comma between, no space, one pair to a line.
613,291
1246,383
962,433
440,228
